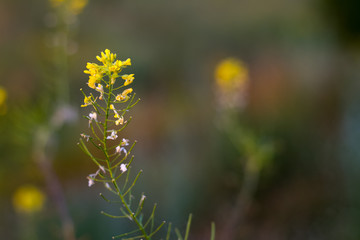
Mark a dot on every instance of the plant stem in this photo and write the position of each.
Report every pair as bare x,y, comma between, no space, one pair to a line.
53,185
127,207
243,201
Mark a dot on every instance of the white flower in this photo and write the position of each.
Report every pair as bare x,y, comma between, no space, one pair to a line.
119,149
120,121
100,89
113,135
124,142
90,181
123,168
92,176
92,116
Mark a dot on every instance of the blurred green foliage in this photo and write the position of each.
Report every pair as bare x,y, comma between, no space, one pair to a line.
303,92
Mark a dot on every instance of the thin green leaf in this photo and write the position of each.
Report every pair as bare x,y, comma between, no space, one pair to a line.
133,184
168,232
112,216
151,216
126,234
88,153
157,229
212,237
188,227
178,234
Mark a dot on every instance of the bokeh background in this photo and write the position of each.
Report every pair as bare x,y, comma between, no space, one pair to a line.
303,59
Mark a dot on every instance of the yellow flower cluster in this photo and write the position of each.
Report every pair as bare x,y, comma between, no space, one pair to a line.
28,199
230,74
110,68
73,6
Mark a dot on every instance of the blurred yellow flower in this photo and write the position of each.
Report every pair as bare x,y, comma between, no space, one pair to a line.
73,6
76,6
3,97
28,199
230,74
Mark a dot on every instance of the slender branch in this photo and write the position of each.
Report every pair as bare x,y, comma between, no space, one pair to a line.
44,161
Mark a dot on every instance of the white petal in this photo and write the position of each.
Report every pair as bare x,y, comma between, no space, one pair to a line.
117,149
123,168
90,182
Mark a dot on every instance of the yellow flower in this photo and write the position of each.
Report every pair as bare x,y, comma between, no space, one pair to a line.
120,121
73,6
95,72
93,69
124,95
231,74
119,64
114,68
28,199
92,81
111,67
127,62
107,57
87,101
76,6
3,97
128,79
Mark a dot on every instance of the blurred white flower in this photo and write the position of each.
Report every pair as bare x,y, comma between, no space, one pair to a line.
90,181
92,116
123,168
113,135
119,149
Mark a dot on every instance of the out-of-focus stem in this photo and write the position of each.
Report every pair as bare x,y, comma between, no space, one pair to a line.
44,161
243,201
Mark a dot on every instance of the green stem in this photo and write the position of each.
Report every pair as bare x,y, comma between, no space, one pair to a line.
127,207
105,131
141,228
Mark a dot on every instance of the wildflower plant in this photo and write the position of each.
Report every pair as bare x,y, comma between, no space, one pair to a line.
108,105
231,84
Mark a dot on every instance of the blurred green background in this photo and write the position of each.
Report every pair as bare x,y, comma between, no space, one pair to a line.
303,59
